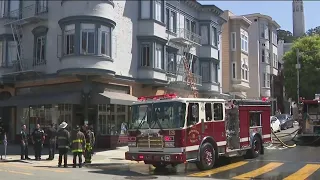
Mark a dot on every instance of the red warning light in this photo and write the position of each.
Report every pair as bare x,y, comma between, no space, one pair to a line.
158,97
141,157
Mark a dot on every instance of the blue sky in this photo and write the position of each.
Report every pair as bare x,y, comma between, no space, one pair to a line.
280,11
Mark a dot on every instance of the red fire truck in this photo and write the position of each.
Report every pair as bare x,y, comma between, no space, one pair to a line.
309,117
168,130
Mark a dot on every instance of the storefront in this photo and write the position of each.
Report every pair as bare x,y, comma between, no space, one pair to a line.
108,109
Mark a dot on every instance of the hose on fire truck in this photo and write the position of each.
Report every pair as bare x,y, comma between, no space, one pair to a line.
292,139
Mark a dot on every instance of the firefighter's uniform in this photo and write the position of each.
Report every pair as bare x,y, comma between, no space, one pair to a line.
78,146
90,140
63,144
38,139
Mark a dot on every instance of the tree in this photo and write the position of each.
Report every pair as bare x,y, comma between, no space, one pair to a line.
314,31
309,48
285,35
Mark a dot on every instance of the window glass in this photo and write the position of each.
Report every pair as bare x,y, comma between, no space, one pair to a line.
218,111
145,55
208,111
255,119
12,53
193,114
105,41
87,38
40,50
145,9
69,34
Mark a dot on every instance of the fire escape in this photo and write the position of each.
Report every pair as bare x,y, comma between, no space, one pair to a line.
16,20
186,40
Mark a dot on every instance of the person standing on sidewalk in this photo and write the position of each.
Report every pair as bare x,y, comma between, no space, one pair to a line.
63,144
24,143
37,141
78,146
51,134
90,140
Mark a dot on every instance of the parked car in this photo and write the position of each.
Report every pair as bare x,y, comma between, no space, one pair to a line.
286,120
275,124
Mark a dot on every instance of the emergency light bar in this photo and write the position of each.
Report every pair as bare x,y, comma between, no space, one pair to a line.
158,97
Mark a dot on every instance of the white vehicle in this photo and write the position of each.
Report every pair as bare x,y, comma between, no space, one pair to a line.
275,124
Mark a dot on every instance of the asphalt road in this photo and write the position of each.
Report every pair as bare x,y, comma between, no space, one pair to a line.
301,162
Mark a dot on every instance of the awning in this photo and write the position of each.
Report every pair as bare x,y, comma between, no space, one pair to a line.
108,97
42,99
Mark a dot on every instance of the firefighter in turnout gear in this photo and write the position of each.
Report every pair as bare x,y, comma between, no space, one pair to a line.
38,140
63,144
90,139
78,146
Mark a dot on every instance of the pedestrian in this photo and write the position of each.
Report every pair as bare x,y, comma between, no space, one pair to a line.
63,144
78,146
51,134
90,139
37,141
24,143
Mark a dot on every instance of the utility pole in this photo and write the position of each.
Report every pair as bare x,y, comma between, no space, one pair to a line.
298,67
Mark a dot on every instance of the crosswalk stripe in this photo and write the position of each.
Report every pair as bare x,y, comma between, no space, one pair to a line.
304,172
219,169
264,169
16,172
39,168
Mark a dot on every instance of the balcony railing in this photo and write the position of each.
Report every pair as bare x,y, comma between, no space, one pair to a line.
182,77
26,13
186,34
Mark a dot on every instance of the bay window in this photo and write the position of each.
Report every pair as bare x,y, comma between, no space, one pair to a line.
87,38
158,10
105,41
69,34
145,54
158,57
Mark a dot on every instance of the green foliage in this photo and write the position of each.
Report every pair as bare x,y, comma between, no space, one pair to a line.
314,31
309,48
285,35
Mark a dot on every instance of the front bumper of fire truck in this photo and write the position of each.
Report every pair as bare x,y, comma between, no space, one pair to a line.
156,157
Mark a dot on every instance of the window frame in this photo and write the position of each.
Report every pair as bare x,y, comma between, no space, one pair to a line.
40,61
66,33
87,31
158,56
244,41
8,62
171,20
107,31
214,36
211,111
149,60
260,120
234,70
233,41
222,111
207,65
244,69
158,4
266,80
147,14
170,55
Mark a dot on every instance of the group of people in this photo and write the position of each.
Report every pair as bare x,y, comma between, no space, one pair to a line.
80,141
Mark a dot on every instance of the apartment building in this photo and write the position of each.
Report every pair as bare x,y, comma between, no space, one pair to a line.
235,54
87,61
263,54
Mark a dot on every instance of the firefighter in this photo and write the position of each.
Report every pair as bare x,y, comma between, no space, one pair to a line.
63,144
24,143
78,146
37,141
90,139
51,134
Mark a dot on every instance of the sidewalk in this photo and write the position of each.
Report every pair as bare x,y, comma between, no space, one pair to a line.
102,157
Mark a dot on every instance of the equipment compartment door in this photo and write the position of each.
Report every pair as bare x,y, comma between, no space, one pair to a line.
232,128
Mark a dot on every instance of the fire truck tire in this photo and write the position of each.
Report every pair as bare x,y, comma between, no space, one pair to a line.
256,148
207,157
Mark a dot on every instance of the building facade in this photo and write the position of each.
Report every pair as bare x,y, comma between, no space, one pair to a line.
263,54
87,61
235,55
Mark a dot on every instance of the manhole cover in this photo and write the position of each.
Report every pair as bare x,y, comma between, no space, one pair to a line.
140,177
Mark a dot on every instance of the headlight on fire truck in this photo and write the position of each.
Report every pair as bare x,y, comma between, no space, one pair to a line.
132,144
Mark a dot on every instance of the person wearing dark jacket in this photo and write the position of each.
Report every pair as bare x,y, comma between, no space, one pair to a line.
38,138
63,144
24,143
51,135
78,146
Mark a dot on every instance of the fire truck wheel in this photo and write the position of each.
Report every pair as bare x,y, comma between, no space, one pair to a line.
256,148
207,157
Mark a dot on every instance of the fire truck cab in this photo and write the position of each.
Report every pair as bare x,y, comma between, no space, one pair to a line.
168,130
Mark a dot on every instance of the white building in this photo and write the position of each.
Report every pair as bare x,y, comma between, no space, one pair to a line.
263,54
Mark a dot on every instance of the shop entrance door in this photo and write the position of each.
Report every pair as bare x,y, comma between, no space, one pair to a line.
80,116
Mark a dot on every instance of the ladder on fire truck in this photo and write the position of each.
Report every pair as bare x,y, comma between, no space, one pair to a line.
17,32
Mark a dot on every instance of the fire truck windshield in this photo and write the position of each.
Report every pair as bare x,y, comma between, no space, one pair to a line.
159,115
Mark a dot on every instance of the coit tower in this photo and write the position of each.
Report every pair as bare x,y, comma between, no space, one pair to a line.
298,18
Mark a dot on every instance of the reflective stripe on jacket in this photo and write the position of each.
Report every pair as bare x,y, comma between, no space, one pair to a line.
78,141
